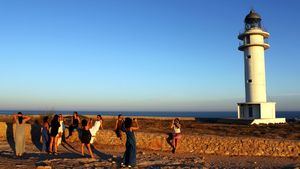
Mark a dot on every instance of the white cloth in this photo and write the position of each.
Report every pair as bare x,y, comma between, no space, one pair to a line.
176,129
60,130
94,130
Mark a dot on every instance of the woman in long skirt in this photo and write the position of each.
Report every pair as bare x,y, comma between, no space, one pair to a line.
20,121
129,158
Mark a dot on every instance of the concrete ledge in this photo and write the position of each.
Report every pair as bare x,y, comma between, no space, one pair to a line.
269,121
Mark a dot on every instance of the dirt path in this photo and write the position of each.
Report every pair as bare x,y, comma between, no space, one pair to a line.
110,157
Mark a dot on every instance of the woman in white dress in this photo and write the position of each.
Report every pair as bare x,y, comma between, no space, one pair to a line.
97,125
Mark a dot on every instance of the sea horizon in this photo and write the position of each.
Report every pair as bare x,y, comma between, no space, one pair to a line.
199,114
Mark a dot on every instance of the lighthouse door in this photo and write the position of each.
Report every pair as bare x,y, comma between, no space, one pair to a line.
250,112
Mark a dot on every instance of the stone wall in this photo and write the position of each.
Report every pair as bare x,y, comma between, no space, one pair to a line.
208,144
204,144
7,132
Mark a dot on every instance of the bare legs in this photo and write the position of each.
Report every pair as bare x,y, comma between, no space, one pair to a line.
88,146
58,140
82,149
174,142
53,141
19,155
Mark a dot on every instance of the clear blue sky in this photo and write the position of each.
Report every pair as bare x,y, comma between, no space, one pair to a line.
141,55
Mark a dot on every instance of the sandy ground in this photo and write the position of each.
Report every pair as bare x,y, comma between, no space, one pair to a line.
110,157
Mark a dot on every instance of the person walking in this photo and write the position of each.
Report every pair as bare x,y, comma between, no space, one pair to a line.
19,135
129,158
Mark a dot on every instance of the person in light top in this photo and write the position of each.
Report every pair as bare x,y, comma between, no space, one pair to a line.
97,125
60,129
176,126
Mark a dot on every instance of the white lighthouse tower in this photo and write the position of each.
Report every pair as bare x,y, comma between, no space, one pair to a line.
253,44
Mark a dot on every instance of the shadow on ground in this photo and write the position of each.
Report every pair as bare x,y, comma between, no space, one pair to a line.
36,135
10,136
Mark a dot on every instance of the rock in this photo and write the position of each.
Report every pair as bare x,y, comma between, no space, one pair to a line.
87,165
43,167
20,165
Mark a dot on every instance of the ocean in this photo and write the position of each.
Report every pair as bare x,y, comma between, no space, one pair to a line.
225,114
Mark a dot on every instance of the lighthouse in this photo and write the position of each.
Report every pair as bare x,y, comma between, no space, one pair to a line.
253,42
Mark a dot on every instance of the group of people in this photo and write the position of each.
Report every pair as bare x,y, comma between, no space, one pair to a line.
52,134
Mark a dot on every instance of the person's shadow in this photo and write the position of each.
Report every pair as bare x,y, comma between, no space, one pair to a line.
103,156
36,135
10,136
169,139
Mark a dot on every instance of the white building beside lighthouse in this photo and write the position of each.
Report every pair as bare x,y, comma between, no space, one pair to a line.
253,44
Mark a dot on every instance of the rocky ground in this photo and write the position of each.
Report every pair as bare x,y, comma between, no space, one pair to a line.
110,157
200,126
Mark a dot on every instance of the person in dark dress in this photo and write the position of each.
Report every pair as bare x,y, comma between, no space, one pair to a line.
45,134
129,158
118,126
75,123
53,132
86,138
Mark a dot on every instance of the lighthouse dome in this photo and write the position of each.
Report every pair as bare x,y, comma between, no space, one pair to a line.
252,16
252,20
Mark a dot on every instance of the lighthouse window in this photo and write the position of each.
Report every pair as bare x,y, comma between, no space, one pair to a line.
247,39
249,81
